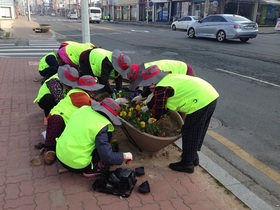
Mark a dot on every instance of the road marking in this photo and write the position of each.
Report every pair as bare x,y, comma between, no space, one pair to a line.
29,50
140,31
7,44
274,175
35,54
251,78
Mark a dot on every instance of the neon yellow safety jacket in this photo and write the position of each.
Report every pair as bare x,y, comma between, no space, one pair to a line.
43,90
190,93
176,67
77,142
43,64
65,108
96,57
74,51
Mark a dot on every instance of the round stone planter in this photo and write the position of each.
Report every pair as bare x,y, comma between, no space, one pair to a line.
149,143
45,28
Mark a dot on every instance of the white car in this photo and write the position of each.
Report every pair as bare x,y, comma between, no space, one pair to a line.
72,15
184,22
224,26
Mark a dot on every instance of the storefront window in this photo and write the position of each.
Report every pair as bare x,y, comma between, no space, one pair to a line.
133,13
268,14
126,12
118,13
162,12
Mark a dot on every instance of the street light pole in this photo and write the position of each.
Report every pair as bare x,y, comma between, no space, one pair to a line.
23,5
28,10
147,12
85,22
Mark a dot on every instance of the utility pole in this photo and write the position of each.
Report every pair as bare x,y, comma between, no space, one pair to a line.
147,12
23,3
85,22
28,10
206,8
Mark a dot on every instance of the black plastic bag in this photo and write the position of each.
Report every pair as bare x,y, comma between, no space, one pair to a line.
118,182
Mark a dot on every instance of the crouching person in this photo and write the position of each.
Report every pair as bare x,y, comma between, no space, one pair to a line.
84,146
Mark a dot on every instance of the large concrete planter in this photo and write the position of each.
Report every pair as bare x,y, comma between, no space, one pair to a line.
44,28
149,143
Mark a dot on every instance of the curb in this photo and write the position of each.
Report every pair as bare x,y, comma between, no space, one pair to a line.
245,195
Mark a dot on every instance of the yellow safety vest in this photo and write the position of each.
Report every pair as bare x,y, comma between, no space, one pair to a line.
65,108
75,145
190,93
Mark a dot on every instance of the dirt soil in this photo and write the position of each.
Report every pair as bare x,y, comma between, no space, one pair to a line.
168,127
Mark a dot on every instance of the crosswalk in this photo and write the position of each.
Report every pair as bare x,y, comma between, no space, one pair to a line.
34,48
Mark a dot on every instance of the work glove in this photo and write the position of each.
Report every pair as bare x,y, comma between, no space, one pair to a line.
137,99
122,101
113,95
127,156
144,109
148,99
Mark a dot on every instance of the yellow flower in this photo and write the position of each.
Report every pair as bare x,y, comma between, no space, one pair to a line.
130,109
123,113
129,114
138,107
152,120
142,124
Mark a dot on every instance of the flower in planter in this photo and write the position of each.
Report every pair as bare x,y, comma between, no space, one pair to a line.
133,115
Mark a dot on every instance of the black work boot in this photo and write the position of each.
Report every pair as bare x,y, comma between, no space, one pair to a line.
181,166
195,161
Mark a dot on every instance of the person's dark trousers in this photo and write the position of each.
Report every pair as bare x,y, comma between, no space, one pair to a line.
56,126
95,159
84,62
46,103
48,72
194,130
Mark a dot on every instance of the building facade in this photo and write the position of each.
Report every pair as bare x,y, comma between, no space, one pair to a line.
264,12
7,9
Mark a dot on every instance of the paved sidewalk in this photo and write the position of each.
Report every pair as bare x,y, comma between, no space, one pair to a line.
25,186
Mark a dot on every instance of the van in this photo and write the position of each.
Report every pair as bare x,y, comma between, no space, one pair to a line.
95,14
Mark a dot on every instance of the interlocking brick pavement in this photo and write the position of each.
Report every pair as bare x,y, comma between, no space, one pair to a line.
25,186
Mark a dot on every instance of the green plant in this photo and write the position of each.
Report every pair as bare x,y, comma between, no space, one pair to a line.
132,114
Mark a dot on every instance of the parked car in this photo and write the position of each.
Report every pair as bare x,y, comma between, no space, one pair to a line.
223,27
184,22
72,15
